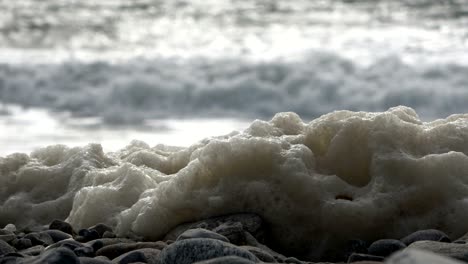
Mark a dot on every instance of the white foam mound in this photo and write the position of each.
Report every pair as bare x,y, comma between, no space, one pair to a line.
344,175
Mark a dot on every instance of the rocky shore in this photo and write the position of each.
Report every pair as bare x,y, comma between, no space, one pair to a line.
231,239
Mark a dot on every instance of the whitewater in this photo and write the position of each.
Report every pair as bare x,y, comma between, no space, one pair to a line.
314,183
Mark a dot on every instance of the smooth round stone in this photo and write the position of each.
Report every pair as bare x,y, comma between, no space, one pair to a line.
22,243
385,247
429,234
259,253
68,243
10,227
5,248
87,260
57,235
145,255
198,249
62,226
226,260
355,257
102,242
101,229
85,251
56,256
113,251
40,238
88,235
33,251
415,256
108,234
201,233
7,235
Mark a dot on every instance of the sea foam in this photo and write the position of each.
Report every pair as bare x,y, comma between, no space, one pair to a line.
344,175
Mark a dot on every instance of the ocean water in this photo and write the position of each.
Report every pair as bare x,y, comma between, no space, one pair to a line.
191,81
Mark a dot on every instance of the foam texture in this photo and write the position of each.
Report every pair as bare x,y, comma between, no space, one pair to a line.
344,175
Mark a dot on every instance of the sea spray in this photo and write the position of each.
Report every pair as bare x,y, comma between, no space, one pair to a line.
345,175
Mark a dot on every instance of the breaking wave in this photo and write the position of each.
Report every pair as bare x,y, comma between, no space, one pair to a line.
141,89
314,183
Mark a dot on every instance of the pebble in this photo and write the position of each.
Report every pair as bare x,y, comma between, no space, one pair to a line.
40,238
201,233
146,255
226,260
115,250
86,235
453,250
7,235
429,234
5,248
62,226
57,235
198,249
10,227
55,256
355,257
33,251
385,247
415,256
101,229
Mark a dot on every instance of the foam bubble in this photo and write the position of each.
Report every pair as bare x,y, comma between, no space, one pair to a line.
314,183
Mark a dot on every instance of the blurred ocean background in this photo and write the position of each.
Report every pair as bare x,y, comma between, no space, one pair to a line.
174,72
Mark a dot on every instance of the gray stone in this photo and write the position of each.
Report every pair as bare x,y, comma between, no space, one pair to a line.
234,231
292,260
261,254
429,234
113,251
226,260
456,251
21,243
40,238
385,247
108,234
146,255
415,256
85,251
55,256
57,235
102,242
356,257
68,243
201,233
251,223
62,226
7,235
10,227
101,229
87,260
198,249
5,248
86,235
33,251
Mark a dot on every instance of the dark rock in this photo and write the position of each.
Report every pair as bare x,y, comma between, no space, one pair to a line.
364,257
55,256
251,223
87,260
40,238
146,255
102,242
22,243
355,246
33,251
261,254
414,256
385,247
7,235
57,235
113,251
86,251
201,233
86,235
292,260
62,226
68,243
456,251
101,229
226,260
5,248
108,234
234,231
197,249
429,234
